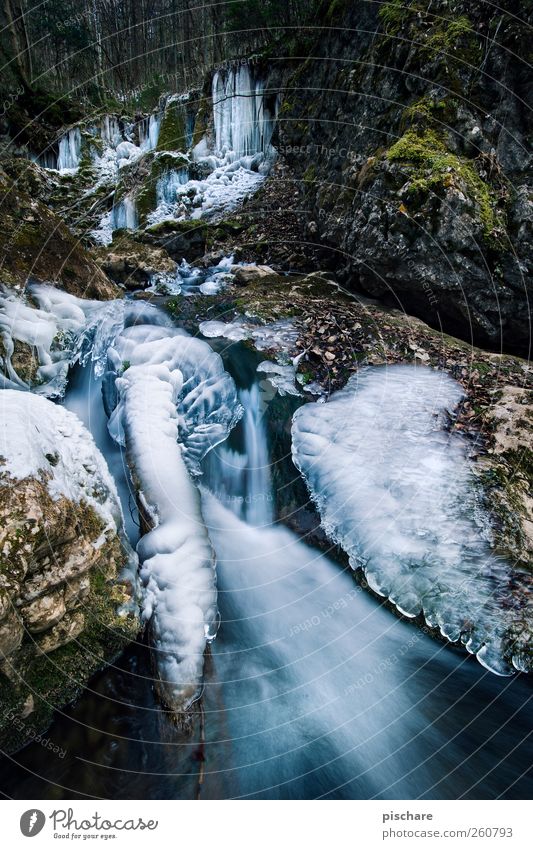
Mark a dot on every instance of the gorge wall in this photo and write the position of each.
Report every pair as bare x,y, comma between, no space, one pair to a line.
407,132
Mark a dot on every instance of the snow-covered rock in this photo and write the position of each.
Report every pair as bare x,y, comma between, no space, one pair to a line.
67,571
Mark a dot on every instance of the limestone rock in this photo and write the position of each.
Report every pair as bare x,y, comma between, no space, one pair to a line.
63,586
246,274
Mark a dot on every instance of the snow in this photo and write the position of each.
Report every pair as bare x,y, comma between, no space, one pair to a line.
397,492
173,402
42,440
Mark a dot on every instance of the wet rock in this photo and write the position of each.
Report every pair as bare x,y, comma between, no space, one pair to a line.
419,197
132,264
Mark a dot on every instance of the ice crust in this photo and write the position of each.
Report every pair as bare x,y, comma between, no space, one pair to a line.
396,490
171,401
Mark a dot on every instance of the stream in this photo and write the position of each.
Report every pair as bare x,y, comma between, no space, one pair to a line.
312,688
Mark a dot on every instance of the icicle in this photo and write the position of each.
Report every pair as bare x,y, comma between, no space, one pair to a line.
69,150
124,214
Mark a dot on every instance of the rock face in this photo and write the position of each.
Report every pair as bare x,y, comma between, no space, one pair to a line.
133,264
408,135
64,610
35,243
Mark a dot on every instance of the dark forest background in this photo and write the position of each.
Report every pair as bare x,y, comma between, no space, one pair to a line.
94,49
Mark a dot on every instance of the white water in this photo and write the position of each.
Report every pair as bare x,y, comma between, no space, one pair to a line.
241,479
396,491
315,689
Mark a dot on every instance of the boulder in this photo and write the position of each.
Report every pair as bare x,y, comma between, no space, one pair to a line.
66,568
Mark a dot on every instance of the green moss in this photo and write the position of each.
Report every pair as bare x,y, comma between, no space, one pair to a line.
310,174
202,120
394,14
433,169
185,226
172,134
146,198
431,34
451,36
428,111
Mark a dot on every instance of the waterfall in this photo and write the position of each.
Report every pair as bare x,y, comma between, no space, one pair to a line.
241,479
243,124
149,132
242,155
69,150
124,214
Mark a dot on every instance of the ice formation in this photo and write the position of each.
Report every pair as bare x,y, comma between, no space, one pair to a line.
281,376
62,330
397,492
276,335
190,280
43,440
241,158
69,151
171,401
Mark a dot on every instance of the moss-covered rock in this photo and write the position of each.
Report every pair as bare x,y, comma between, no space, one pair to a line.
35,244
434,169
172,134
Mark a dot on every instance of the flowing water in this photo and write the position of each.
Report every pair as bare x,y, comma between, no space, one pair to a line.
312,687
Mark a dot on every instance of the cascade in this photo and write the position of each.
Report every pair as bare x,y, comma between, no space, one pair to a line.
241,479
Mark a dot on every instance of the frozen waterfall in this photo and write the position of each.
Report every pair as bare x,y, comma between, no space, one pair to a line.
69,151
243,124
